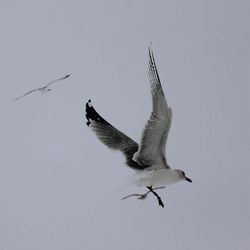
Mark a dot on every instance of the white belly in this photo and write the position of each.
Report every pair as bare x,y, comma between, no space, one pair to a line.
156,178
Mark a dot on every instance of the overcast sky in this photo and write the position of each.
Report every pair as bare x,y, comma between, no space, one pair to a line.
60,188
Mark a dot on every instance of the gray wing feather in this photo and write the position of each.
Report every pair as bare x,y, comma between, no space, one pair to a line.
29,92
59,79
112,137
154,136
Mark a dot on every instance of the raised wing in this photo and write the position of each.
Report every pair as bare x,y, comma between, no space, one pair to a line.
154,137
59,79
111,137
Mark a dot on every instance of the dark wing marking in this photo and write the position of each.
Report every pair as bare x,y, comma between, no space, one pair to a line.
112,137
59,79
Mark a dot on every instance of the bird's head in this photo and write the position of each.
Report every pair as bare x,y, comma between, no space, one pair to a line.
182,176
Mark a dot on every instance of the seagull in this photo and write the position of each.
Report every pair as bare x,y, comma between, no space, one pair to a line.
148,158
43,89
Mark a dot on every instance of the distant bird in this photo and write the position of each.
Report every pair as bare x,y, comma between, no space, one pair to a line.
42,89
148,158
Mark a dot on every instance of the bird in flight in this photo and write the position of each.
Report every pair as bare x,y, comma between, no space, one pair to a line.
43,89
148,158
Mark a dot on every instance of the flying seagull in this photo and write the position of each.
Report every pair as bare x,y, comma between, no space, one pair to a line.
42,89
148,158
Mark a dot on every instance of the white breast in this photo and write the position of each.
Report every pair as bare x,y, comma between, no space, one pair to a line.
156,178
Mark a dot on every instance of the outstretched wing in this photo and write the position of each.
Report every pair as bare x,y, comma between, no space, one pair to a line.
29,92
42,88
59,79
154,137
111,137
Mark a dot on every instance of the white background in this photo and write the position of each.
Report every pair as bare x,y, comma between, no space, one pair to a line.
60,188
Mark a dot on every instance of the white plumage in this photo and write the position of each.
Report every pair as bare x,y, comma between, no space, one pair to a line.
43,89
149,157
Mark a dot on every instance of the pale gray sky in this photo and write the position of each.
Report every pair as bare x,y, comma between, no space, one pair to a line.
60,188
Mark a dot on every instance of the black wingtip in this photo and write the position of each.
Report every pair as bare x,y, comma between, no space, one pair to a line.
150,54
150,48
91,114
88,106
